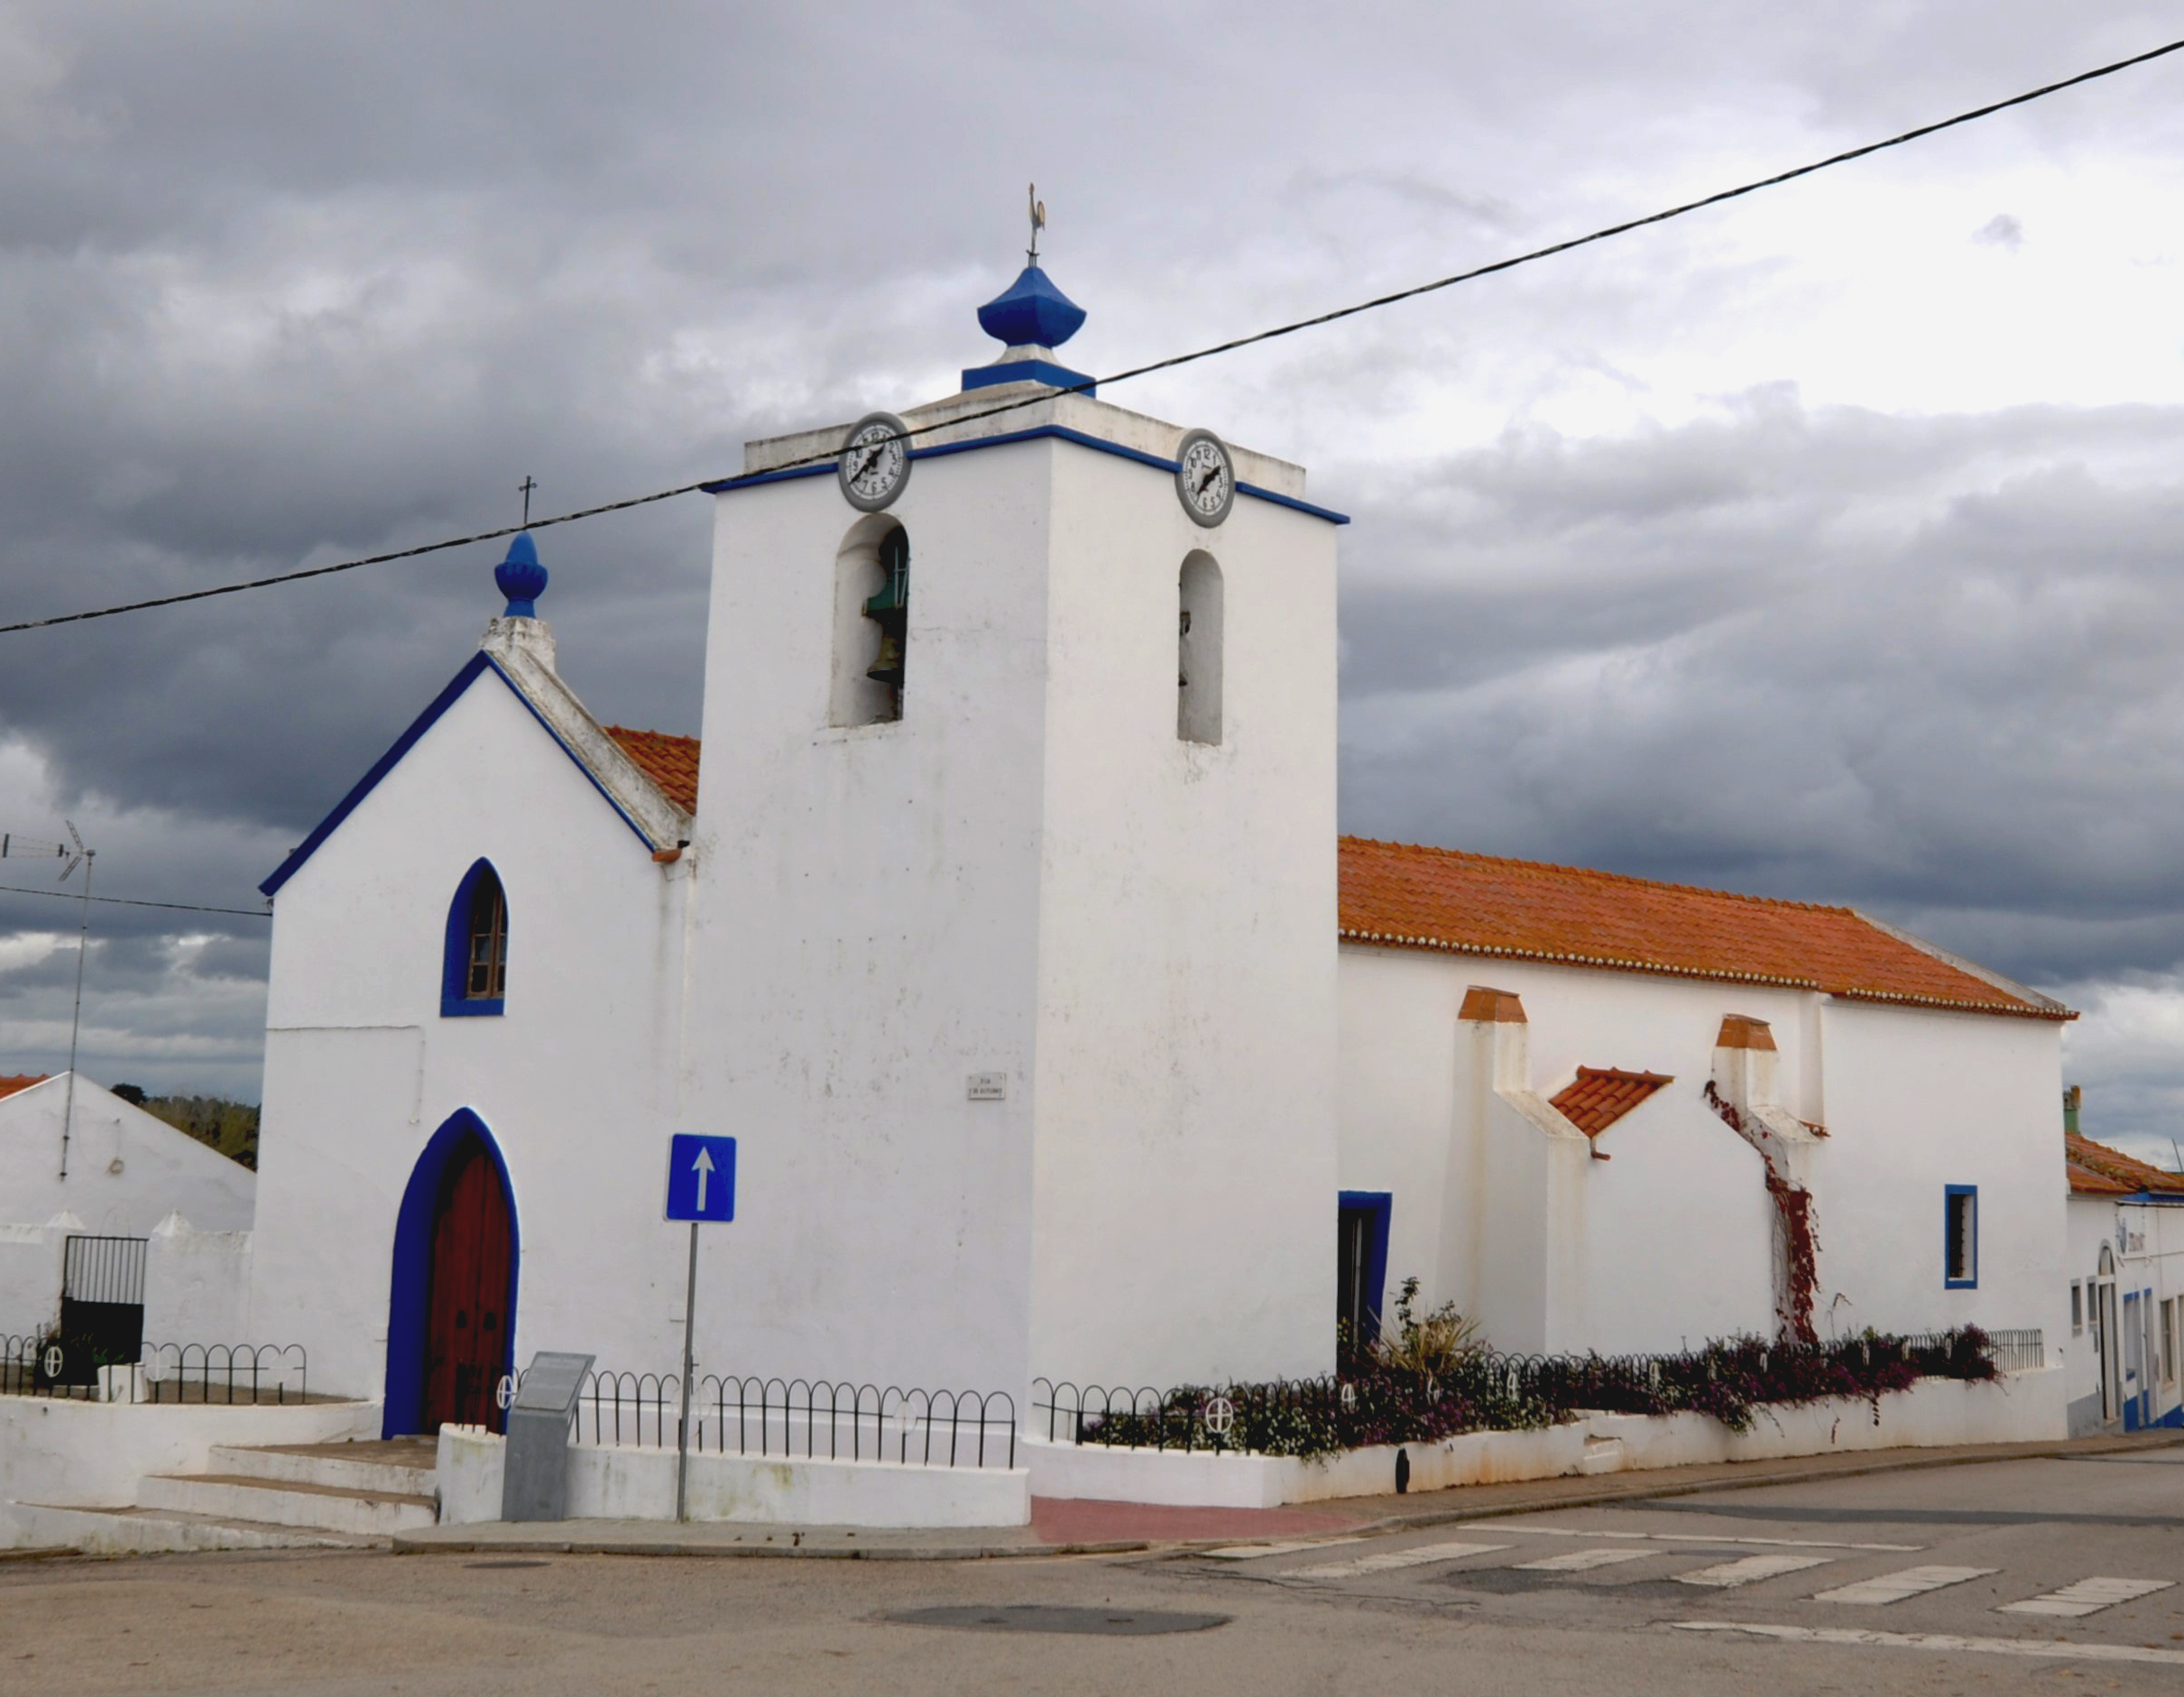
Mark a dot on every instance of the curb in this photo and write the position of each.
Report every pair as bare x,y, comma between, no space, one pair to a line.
1903,1462
763,1552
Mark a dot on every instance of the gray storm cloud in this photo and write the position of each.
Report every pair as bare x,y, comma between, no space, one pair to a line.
1633,582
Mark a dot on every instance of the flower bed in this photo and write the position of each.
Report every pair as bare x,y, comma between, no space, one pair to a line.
1401,1394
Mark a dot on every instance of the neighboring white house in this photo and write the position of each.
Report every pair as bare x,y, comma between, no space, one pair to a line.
2127,1284
127,1173
1012,938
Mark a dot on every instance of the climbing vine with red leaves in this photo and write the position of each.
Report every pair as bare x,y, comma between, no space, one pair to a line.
1800,1244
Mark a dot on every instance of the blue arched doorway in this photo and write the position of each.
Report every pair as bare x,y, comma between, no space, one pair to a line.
451,1317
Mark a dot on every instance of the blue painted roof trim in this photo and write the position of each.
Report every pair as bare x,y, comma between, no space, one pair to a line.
478,663
729,485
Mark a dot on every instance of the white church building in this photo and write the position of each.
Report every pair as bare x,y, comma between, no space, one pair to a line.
1007,927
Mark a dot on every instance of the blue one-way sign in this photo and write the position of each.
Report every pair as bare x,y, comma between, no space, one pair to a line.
701,1179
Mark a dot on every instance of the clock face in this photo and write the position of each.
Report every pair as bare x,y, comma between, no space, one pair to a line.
1205,479
875,461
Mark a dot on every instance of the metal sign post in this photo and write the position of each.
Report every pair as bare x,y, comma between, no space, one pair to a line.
701,1187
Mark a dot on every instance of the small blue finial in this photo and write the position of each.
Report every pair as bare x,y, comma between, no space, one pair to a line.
521,577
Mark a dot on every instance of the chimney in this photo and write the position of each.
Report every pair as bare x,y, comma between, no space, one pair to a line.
2072,1096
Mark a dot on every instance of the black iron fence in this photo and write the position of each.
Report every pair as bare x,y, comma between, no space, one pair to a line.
797,1418
1372,1403
57,1364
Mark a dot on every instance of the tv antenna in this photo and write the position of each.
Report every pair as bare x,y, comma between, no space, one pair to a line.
15,847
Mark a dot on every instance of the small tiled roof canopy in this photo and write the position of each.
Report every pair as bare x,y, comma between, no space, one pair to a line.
1395,895
2097,1170
669,762
10,1082
1601,1095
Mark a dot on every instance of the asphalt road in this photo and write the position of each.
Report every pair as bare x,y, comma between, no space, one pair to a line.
1914,1581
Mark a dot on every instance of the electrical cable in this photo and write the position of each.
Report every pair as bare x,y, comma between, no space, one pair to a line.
124,901
1170,364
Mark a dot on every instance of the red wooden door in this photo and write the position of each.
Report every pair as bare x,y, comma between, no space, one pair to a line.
466,1311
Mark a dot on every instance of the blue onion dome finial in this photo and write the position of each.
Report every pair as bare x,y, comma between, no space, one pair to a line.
521,577
1031,312
1030,318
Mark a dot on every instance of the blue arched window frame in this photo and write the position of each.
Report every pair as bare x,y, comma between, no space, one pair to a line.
456,1001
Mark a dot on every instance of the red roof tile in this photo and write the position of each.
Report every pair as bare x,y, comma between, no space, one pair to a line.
669,762
2097,1170
1602,1095
11,1082
1397,896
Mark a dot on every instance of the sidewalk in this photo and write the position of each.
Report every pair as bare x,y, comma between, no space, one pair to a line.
1075,1527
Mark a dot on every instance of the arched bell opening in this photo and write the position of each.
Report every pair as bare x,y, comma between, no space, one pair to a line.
872,622
1198,649
451,1319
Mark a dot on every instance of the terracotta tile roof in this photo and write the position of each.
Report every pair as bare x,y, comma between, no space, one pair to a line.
10,1082
1395,895
2097,1170
1602,1095
669,762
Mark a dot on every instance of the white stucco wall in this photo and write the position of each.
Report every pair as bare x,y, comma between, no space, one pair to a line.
92,1455
196,1286
1672,1236
127,1170
574,1080
1185,1190
1027,874
2145,1248
1917,1100
623,1482
2020,1408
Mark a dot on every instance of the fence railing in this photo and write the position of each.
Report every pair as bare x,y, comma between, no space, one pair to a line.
2023,1351
1489,1390
44,1364
811,1419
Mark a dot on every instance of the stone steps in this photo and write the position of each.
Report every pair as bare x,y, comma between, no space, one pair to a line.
363,1467
140,1531
311,1496
287,1502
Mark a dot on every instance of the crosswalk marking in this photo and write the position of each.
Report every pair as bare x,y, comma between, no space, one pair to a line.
1416,1556
1939,1641
1252,1552
2087,1597
1509,1527
1727,1575
1891,1587
1582,1561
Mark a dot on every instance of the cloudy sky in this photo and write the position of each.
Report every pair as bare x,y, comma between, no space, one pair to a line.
1823,545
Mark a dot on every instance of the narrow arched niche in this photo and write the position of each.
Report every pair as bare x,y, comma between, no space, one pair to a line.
1198,649
872,561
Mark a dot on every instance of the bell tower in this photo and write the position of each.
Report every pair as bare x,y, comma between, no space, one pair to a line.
1012,959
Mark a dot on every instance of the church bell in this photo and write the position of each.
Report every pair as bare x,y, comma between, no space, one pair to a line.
890,608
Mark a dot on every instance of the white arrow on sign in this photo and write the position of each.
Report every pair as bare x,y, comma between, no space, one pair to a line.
702,1167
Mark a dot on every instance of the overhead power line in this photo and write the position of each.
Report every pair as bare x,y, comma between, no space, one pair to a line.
125,901
1170,364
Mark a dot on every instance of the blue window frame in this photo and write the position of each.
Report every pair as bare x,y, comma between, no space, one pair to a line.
1960,1237
473,962
1361,1261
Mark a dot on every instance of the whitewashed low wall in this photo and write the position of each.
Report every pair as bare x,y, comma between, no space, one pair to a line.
607,1482
2021,1407
196,1284
30,1275
91,1455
